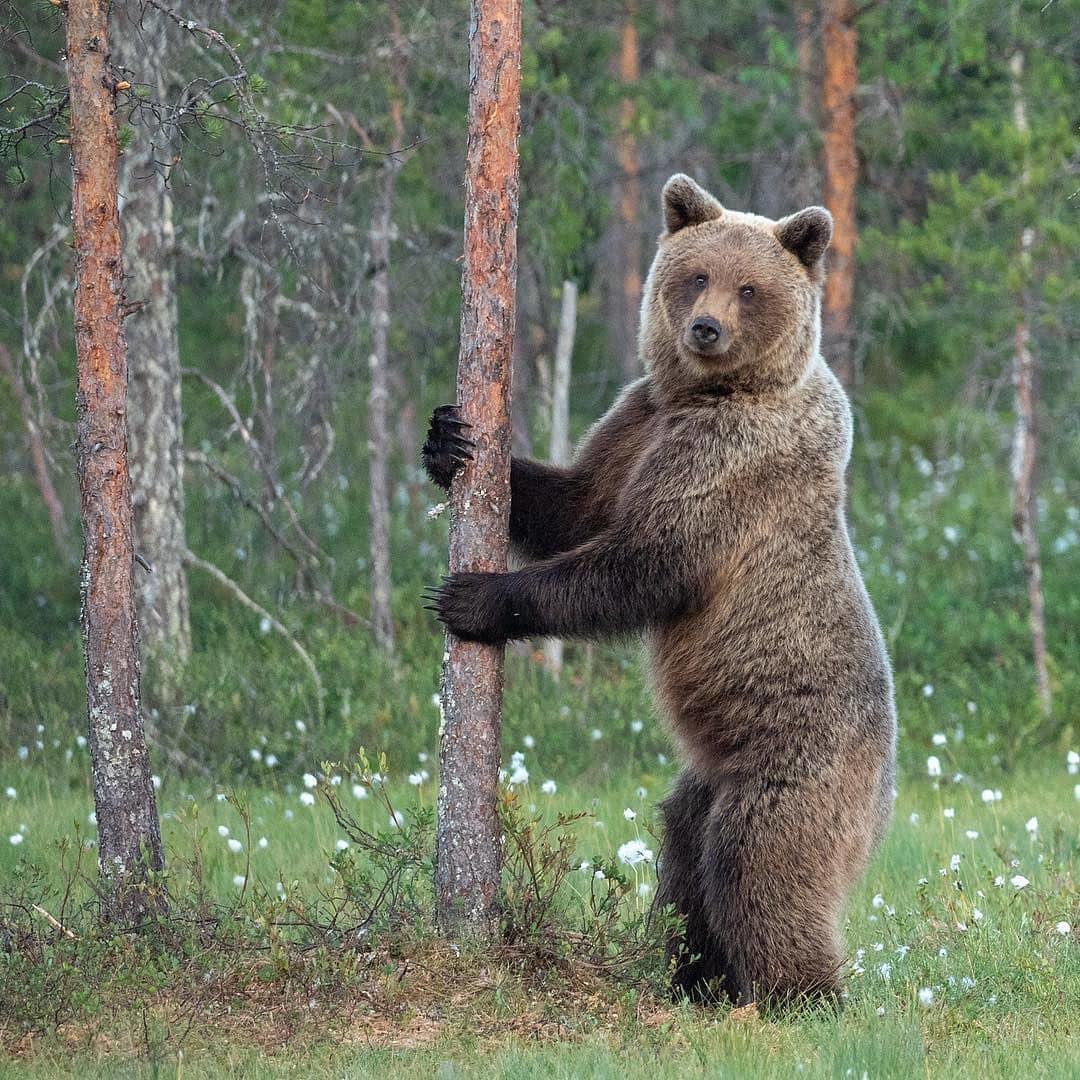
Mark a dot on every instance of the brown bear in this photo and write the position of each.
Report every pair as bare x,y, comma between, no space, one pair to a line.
706,511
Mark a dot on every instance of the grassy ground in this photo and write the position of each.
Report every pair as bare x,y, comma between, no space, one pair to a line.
961,961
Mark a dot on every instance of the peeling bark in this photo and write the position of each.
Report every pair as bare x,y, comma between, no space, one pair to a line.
559,449
468,841
155,427
1025,448
840,168
129,841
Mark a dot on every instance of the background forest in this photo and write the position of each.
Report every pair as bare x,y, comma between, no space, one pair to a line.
303,257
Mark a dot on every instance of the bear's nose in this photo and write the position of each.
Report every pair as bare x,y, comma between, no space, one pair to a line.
706,330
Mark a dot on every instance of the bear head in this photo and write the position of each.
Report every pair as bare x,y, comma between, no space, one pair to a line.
732,301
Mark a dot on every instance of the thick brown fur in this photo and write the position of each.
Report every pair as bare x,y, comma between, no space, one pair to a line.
706,511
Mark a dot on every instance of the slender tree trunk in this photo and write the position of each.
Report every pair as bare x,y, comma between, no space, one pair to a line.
808,179
468,841
628,201
840,173
559,451
53,507
155,426
129,842
382,623
1026,432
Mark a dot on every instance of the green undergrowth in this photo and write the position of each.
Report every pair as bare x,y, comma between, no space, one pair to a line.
298,938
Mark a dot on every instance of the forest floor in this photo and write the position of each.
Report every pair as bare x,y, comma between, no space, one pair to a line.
964,956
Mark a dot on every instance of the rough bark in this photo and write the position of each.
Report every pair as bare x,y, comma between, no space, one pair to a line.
53,507
382,623
468,842
129,841
628,201
559,449
839,176
1026,433
155,431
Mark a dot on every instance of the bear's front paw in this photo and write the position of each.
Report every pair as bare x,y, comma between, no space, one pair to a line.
446,449
473,607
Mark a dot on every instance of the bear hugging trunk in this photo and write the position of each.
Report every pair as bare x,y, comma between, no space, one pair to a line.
705,511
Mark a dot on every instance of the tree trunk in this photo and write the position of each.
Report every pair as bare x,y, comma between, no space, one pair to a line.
1026,433
129,841
808,179
53,507
840,173
468,841
628,203
559,451
382,623
155,427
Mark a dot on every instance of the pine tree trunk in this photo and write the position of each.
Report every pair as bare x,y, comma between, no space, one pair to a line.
155,428
559,451
468,841
1026,434
840,174
628,202
129,842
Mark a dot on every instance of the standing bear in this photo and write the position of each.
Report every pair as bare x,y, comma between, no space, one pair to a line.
706,512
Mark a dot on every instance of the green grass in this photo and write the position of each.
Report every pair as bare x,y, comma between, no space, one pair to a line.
1005,981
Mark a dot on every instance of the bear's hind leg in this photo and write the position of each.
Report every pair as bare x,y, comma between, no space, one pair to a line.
772,901
695,962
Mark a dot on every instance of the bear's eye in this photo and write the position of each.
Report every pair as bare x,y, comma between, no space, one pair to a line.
700,280
746,292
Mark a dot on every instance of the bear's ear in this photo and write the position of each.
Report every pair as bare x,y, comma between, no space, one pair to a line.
687,203
806,234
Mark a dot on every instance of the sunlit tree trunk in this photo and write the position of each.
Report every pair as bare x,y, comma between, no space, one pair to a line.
1026,433
559,450
467,846
382,623
155,430
839,176
129,842
627,259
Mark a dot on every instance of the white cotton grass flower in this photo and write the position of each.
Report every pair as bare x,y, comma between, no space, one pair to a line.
223,831
239,880
518,773
634,852
528,742
397,819
416,779
878,901
310,780
11,793
939,738
596,734
549,787
926,997
342,845
928,690
1032,826
1072,763
359,791
307,798
629,814
599,875
1076,791
971,834
1018,881
255,754
976,915
15,839
263,842
949,812
933,766
234,845
913,817
644,890
271,760
636,726
1063,928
